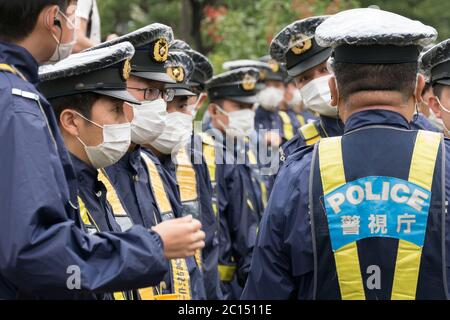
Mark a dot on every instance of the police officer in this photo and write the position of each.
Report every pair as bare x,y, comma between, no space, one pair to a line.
232,95
42,236
97,133
306,63
142,185
187,165
357,221
293,104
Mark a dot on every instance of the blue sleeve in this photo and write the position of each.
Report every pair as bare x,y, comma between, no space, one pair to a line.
39,243
284,238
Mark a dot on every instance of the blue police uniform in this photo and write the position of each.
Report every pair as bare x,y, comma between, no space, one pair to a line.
38,182
296,246
130,179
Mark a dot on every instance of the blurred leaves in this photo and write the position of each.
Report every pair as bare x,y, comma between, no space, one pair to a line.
236,29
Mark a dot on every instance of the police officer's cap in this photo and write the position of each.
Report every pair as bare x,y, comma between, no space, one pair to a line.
237,85
296,47
103,71
437,61
263,67
203,69
277,71
152,50
180,67
372,36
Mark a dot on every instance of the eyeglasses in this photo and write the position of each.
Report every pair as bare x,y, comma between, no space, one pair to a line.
151,94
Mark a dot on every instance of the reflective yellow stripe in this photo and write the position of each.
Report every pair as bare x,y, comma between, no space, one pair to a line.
346,258
85,215
186,177
349,273
157,185
251,157
310,133
226,272
409,255
288,129
263,194
424,158
301,119
119,296
11,69
331,164
111,195
147,293
187,182
180,274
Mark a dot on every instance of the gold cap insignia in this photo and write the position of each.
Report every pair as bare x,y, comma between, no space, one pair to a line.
249,82
126,69
262,74
161,50
300,43
176,73
274,66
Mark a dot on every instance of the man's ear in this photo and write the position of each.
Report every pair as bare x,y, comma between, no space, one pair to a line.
49,16
420,85
70,122
212,109
434,106
334,91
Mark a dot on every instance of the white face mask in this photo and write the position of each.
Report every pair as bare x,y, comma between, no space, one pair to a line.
240,123
149,121
193,108
116,141
176,134
442,123
63,50
317,97
270,98
296,99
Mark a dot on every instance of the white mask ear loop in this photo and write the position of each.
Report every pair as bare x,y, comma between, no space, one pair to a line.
445,110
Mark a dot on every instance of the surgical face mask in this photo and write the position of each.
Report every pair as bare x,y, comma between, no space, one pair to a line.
270,98
317,97
296,99
149,121
444,127
240,123
176,134
435,121
116,141
193,108
63,50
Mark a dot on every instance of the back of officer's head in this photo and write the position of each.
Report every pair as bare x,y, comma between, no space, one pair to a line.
366,79
18,18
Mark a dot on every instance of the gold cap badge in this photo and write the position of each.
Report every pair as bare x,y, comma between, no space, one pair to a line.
126,69
161,50
249,82
176,73
300,43
274,65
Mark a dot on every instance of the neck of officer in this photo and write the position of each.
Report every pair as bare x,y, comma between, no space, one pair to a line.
75,147
157,153
376,100
38,50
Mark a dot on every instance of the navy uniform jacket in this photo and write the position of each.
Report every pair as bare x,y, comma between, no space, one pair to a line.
282,265
131,181
239,215
305,116
210,225
41,234
93,194
328,127
420,122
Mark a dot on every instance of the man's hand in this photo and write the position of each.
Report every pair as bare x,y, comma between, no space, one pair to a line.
181,237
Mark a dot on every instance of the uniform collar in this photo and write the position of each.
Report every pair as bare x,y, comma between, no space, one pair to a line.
86,174
333,126
21,59
376,117
131,160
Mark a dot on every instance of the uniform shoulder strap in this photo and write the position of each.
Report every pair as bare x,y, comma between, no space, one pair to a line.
288,129
310,133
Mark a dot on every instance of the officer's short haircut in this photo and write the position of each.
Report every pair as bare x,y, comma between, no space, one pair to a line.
353,78
19,17
82,103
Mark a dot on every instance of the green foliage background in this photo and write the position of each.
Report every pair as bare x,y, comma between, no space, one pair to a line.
235,29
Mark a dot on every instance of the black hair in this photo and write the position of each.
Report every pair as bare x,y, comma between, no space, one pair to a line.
353,78
81,102
18,18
